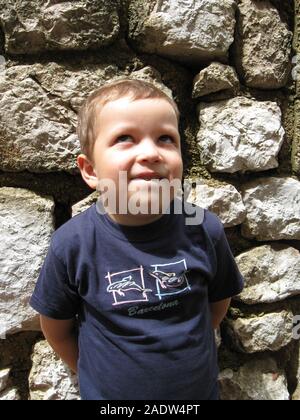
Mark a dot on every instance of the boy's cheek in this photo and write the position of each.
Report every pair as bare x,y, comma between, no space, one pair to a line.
179,169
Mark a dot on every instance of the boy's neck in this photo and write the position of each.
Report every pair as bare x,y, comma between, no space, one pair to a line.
134,219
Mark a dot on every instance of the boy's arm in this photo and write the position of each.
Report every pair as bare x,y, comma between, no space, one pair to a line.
63,338
218,311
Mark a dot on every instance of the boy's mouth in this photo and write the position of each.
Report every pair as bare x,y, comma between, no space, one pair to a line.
146,179
147,176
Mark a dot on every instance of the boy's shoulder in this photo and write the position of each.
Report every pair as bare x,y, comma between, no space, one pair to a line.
210,222
213,225
73,232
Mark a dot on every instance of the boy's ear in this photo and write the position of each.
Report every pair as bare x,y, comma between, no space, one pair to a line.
87,171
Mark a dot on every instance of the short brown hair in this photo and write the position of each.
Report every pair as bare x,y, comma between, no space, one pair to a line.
111,91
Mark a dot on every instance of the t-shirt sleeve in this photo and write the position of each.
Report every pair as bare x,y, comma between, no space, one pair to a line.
228,281
54,296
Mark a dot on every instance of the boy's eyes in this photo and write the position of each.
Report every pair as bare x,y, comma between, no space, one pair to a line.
167,137
125,137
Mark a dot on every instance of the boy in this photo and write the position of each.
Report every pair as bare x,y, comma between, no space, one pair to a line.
147,289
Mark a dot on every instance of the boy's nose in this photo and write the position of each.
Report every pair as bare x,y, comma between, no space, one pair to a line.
148,150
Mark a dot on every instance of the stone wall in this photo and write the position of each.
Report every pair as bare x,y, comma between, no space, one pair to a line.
232,66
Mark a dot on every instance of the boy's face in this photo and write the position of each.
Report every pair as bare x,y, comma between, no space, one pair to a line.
139,137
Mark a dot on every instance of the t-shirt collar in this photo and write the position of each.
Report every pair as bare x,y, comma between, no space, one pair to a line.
145,232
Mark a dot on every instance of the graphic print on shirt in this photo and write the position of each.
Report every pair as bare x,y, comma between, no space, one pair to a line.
170,278
128,286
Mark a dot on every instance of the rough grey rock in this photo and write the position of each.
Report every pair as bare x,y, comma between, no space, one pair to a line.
273,209
37,132
256,380
223,200
33,26
271,273
10,395
50,378
38,112
261,333
150,74
240,134
189,31
84,204
4,374
215,78
263,45
218,337
26,221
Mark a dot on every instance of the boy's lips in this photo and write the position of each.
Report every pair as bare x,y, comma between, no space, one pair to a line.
148,176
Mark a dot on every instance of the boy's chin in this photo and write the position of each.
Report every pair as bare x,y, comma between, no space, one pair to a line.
144,203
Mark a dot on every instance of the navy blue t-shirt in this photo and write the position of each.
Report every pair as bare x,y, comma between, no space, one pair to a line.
142,297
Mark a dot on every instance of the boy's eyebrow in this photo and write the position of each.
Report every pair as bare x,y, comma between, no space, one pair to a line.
124,128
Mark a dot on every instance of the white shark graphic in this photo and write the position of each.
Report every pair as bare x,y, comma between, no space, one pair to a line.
124,285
